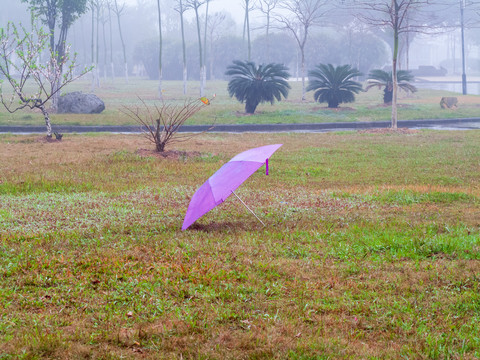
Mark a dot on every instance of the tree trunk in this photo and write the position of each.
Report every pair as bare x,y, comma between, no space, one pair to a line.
333,104
93,49
200,52
251,106
304,91
267,37
387,95
97,70
104,46
112,68
160,95
248,32
394,67
47,120
122,41
184,50
205,47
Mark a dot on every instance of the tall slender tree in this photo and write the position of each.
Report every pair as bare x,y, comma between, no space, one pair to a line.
92,46
98,7
298,17
267,7
401,17
118,11
214,23
195,5
181,8
248,6
160,95
205,45
112,68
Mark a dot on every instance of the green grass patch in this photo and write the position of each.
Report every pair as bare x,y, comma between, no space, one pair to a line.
370,249
368,106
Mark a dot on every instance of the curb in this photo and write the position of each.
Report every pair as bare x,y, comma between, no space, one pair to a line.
239,128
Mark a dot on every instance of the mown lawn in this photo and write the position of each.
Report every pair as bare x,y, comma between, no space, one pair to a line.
371,249
118,96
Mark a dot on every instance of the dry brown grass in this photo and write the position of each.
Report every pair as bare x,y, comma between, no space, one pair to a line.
370,251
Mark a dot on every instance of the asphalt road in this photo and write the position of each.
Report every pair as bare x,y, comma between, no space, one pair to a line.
439,124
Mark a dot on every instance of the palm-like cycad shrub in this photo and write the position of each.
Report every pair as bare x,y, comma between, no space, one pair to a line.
334,85
384,79
254,85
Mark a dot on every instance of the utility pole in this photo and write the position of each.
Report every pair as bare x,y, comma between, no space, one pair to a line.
464,76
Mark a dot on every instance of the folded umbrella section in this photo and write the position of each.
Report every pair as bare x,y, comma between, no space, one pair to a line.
226,180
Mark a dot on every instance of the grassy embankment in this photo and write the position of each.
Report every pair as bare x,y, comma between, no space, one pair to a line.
224,110
371,249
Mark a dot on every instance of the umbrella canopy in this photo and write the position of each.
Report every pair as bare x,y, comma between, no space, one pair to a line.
229,177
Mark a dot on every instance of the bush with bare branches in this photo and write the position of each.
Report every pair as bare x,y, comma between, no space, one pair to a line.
161,123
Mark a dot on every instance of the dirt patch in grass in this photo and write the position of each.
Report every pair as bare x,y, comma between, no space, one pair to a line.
389,105
169,154
45,140
346,108
389,131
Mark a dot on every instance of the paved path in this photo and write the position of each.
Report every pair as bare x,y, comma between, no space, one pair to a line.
440,124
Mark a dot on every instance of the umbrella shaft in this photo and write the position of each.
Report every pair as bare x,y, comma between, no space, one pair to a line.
233,192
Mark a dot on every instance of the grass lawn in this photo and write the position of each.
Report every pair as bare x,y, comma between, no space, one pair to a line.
371,249
424,104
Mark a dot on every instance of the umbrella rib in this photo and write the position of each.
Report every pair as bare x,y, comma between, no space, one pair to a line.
233,192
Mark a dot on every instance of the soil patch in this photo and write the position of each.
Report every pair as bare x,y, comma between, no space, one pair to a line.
389,105
170,154
389,131
242,113
345,108
45,139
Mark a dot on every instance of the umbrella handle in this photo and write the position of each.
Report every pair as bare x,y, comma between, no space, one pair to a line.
266,166
233,192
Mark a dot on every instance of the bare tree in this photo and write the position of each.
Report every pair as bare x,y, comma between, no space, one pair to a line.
205,45
266,7
104,20
248,5
112,68
181,8
195,5
161,124
214,23
401,17
301,16
160,95
92,46
118,11
96,6
20,54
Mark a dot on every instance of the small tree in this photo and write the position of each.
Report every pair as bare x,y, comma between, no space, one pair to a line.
162,123
334,85
381,78
256,85
20,63
401,17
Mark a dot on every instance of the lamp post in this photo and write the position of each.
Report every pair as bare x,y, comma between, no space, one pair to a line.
464,76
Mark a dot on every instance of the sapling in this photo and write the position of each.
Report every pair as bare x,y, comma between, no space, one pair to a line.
29,75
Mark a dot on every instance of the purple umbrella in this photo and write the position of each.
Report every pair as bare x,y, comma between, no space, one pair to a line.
223,183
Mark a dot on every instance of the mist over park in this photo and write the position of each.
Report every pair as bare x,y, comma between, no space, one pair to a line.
239,179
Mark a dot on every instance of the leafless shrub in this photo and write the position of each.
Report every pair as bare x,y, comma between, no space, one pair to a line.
161,123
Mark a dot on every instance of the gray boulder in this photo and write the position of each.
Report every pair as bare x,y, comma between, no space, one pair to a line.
80,103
